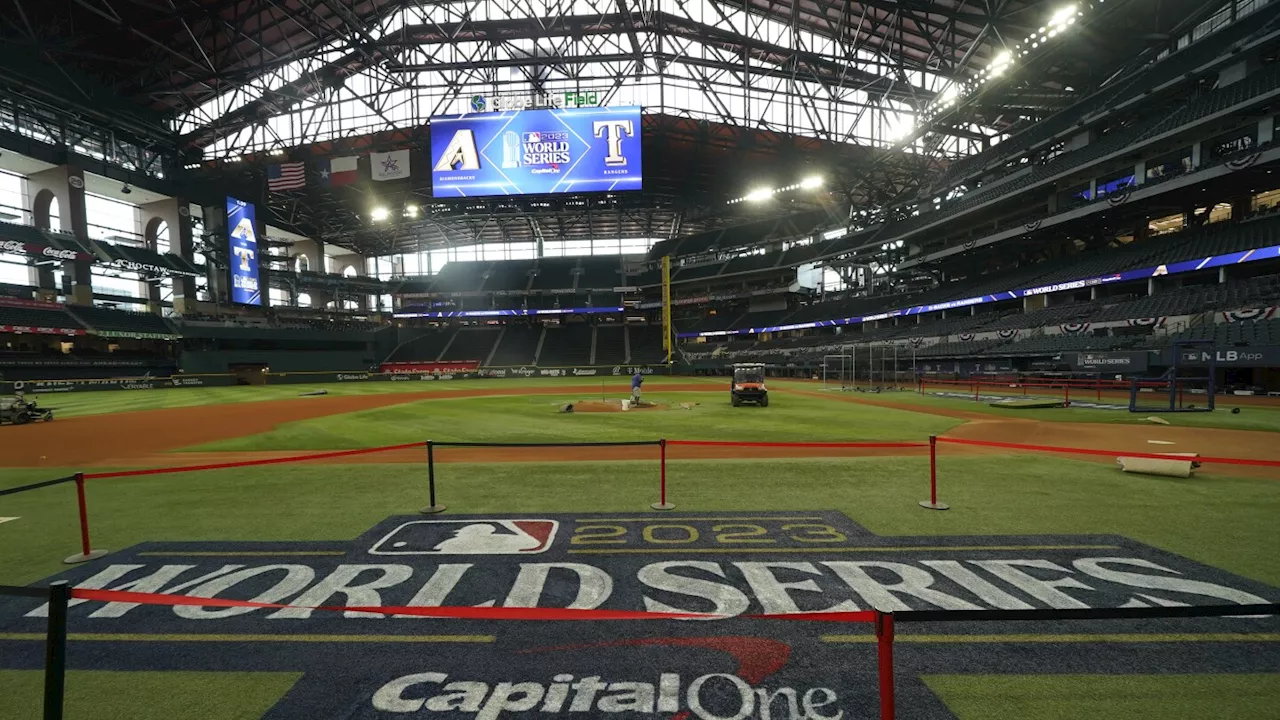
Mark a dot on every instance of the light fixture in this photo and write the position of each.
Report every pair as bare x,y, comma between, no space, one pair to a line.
125,189
411,211
759,195
811,182
380,213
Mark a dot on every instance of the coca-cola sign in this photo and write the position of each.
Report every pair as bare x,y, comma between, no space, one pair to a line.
60,254
12,246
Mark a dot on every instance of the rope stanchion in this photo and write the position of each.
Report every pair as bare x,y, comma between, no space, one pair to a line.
662,503
55,651
434,507
87,552
1110,453
932,503
884,657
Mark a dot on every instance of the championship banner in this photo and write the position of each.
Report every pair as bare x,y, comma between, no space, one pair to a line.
536,152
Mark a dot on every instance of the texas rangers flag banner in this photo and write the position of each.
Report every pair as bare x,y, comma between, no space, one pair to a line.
339,171
536,151
390,166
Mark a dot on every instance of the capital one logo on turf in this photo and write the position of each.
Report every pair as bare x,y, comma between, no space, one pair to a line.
714,696
468,537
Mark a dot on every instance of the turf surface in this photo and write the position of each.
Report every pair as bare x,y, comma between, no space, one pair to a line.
535,418
1222,521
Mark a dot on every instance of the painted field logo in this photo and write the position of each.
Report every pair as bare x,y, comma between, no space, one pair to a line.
314,598
468,537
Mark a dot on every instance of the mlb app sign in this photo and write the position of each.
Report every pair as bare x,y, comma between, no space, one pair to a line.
536,152
242,236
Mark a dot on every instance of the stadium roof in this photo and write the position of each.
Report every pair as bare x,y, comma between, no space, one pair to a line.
225,79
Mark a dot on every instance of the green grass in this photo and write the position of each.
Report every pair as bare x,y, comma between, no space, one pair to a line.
97,695
1103,697
114,401
535,418
1251,417
1221,521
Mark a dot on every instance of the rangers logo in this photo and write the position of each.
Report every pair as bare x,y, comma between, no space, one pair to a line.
468,537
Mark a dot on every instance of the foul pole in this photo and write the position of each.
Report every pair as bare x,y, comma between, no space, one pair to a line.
666,307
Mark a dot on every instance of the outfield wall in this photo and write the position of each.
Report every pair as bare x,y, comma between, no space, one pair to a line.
320,378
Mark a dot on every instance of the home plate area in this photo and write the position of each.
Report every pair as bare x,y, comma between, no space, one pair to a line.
735,565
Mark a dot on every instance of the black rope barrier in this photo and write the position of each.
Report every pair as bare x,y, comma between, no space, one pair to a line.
16,591
35,486
1190,611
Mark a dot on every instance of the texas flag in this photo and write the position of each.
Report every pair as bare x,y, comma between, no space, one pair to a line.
338,171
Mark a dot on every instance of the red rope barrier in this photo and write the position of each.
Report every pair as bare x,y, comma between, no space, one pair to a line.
1110,453
454,612
249,463
738,443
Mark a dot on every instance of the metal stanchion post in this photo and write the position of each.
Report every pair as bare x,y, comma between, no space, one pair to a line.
87,552
55,650
884,652
431,481
932,503
662,503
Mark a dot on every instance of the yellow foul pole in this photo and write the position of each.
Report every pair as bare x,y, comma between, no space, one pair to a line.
666,306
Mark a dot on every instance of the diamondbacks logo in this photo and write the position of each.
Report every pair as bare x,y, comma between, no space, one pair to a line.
468,537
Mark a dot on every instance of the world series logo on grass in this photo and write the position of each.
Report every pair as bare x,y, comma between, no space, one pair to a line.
358,665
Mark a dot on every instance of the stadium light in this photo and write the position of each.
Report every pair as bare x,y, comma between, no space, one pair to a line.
411,211
380,213
759,195
811,182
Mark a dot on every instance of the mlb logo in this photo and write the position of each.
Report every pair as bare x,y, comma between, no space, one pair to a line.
468,537
533,137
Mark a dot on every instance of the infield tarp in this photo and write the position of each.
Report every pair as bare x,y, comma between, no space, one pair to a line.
364,666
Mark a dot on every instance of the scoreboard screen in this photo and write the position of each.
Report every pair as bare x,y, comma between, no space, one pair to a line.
536,152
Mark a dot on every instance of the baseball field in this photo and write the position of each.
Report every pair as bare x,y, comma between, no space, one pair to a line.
811,504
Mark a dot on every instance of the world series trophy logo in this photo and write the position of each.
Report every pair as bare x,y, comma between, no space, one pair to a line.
510,150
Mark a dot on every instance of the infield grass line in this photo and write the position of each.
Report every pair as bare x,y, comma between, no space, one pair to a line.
211,637
1064,638
923,548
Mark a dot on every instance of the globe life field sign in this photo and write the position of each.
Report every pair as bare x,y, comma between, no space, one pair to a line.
536,152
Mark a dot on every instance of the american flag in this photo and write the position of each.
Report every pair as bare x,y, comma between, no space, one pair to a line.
286,176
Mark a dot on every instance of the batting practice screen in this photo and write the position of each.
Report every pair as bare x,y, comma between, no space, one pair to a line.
536,152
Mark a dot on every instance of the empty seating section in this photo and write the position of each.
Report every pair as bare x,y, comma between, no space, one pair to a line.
108,320
518,345
1256,332
697,272
554,274
566,345
646,344
472,344
600,273
611,346
423,348
26,316
460,277
508,276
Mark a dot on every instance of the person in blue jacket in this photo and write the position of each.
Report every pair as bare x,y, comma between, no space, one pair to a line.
636,381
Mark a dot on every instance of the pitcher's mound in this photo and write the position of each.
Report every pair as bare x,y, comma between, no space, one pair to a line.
611,406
